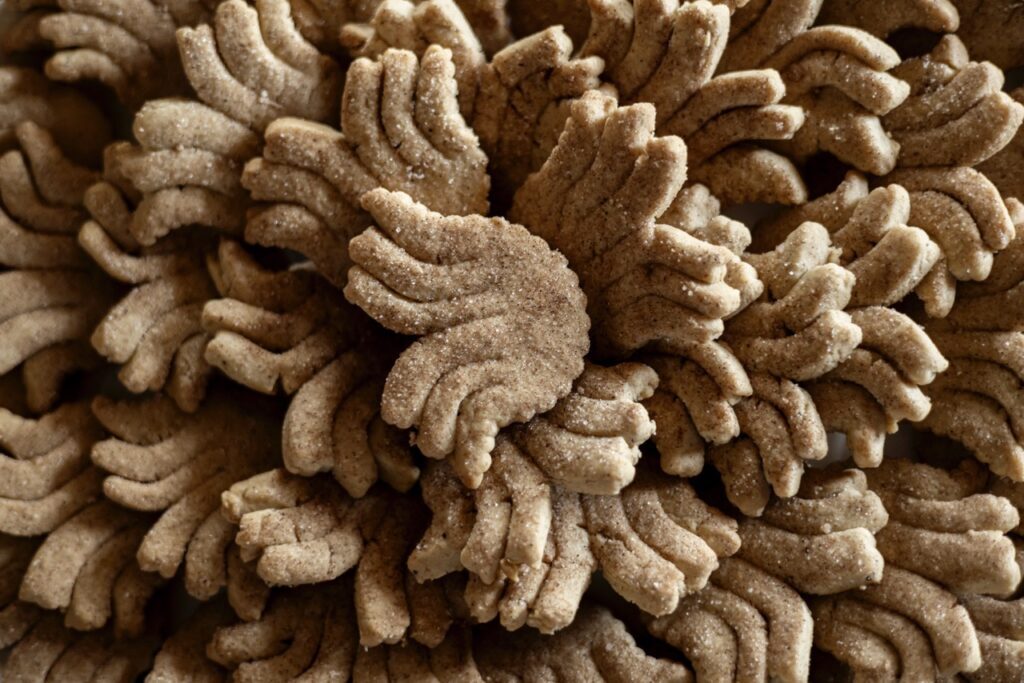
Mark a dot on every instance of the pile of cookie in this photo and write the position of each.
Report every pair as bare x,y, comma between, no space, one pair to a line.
509,340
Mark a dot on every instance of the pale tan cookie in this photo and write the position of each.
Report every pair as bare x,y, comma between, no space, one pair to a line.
452,660
522,540
744,625
42,192
590,442
391,605
546,596
873,229
820,541
895,360
163,460
693,405
956,114
322,640
905,626
453,516
182,656
523,100
44,313
963,212
946,530
667,54
52,652
937,16
21,27
306,633
47,476
400,130
943,528
870,392
880,384
502,323
927,230
598,199
798,331
307,530
52,297
404,25
472,29
491,21
657,541
287,329
333,424
80,128
154,333
999,620
50,455
1003,169
274,328
978,400
249,67
840,77
86,569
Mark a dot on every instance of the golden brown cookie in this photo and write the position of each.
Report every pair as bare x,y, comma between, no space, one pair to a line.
154,333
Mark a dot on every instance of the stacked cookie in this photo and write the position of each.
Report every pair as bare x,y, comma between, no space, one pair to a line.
461,341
